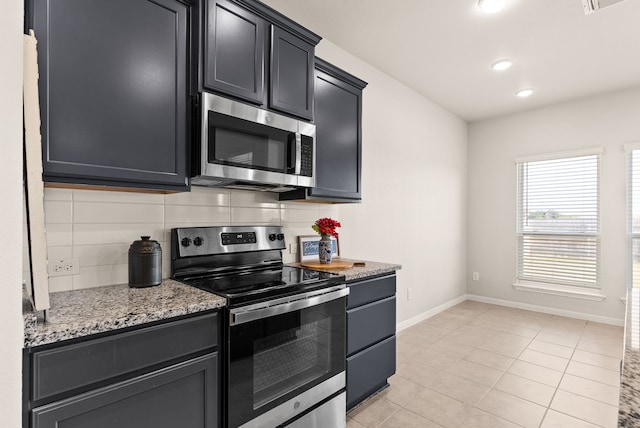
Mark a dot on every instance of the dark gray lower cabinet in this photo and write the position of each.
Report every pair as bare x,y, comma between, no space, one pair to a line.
163,375
176,396
371,340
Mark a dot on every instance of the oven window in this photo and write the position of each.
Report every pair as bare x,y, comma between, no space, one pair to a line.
273,359
286,360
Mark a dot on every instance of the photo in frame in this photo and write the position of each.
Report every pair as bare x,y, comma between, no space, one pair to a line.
308,247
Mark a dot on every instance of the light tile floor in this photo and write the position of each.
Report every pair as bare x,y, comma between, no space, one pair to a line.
482,365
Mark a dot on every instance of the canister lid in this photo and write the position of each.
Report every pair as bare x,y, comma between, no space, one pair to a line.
145,245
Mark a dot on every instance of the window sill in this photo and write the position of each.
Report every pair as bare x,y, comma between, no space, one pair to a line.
561,290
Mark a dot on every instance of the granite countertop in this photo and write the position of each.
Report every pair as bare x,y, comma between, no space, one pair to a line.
84,312
79,313
629,411
356,272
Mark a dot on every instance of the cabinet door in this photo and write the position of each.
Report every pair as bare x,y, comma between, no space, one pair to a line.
338,138
235,43
291,68
183,395
113,91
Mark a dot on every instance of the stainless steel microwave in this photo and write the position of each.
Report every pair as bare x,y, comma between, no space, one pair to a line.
243,146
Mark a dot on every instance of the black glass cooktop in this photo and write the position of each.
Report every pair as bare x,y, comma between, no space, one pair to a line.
246,287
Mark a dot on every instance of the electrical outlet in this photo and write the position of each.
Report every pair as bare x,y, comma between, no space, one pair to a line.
409,293
64,267
293,248
476,276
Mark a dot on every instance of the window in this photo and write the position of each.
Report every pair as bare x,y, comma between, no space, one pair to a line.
558,221
633,212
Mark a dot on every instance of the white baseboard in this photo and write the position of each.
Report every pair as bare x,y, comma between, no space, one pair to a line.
543,309
546,310
428,314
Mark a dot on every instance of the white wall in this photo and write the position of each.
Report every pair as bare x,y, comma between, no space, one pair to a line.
11,324
414,177
609,121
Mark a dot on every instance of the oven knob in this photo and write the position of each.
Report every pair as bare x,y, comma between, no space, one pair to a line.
280,236
272,237
186,242
197,241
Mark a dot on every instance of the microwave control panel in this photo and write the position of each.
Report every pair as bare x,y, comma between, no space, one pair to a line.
306,156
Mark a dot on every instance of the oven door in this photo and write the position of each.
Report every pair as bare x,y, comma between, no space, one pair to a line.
286,357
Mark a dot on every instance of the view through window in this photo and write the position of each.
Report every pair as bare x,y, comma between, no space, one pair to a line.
558,220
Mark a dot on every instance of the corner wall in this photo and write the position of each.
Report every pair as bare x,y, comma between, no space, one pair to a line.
609,121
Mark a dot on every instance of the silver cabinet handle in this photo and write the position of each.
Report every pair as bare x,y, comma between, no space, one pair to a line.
286,304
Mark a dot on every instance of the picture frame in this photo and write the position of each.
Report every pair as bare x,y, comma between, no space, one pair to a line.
308,247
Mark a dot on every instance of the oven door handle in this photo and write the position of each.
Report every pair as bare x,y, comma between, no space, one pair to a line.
288,304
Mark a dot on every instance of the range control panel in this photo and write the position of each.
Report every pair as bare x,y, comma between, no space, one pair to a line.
201,241
238,238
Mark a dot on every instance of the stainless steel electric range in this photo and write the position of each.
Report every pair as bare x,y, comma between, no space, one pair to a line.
284,327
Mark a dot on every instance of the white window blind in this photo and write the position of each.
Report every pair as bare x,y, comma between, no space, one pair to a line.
558,220
633,212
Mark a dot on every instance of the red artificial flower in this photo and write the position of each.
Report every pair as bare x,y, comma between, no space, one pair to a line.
326,226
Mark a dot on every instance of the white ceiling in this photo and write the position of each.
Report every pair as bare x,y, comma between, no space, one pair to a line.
444,48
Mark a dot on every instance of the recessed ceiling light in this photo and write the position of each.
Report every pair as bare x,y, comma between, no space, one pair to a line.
491,6
503,64
523,93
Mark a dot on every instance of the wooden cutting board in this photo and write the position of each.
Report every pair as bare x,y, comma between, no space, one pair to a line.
334,265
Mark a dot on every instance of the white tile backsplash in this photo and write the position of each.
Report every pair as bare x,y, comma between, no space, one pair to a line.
99,226
58,211
80,195
115,233
59,234
196,214
261,216
101,212
200,196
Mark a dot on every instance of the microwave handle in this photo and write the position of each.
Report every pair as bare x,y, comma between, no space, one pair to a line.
298,154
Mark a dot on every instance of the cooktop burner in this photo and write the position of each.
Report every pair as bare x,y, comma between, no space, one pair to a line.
253,286
241,263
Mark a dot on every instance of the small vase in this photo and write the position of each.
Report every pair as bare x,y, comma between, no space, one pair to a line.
325,249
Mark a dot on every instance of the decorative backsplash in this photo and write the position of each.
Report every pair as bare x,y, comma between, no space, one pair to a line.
98,227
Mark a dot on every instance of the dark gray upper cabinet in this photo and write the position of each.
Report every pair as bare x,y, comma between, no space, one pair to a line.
338,119
253,53
292,62
235,45
114,91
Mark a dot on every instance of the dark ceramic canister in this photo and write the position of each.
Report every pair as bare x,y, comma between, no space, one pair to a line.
145,263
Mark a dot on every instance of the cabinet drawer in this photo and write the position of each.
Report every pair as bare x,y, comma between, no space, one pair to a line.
368,371
69,367
370,323
370,290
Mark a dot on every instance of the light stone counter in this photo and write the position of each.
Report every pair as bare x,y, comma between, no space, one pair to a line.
370,269
84,312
